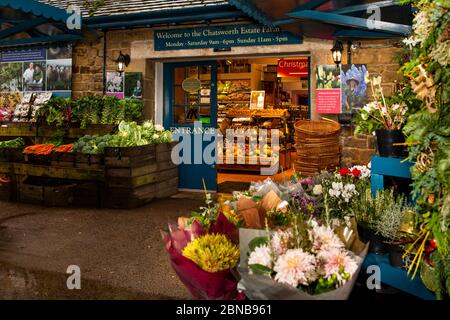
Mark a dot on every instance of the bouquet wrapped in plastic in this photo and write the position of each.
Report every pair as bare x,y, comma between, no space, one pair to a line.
205,258
307,261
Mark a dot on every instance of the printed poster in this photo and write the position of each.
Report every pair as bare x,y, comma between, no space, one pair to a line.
133,85
328,89
340,89
115,84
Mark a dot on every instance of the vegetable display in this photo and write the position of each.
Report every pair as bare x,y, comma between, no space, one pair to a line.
39,149
92,144
66,148
131,135
16,143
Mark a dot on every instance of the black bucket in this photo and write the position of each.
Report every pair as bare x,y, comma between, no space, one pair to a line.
385,141
395,255
377,243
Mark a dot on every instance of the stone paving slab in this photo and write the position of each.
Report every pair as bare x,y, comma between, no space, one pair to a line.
120,252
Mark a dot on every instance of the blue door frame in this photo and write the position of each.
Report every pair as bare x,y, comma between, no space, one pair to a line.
192,175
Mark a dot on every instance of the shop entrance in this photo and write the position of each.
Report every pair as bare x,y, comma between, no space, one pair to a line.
190,111
246,95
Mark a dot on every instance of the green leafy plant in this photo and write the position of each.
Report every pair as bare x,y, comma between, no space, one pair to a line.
428,133
56,111
88,110
392,210
381,113
15,143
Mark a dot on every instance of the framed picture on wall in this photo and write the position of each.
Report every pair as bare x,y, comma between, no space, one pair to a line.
134,85
257,99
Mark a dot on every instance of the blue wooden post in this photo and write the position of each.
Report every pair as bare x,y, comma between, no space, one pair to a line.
395,277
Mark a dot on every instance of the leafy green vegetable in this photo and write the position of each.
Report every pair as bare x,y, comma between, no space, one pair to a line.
15,143
92,144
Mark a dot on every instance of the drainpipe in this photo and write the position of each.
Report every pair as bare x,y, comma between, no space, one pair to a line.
349,52
104,63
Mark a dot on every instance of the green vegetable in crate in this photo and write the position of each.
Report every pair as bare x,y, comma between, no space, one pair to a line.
56,111
16,143
132,109
92,144
113,111
131,134
88,110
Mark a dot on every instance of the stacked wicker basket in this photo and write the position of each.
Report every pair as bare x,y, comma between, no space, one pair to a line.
317,145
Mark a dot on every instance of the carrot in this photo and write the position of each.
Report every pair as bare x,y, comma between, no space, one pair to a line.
39,149
64,148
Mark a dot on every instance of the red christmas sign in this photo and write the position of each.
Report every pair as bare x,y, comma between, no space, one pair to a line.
293,67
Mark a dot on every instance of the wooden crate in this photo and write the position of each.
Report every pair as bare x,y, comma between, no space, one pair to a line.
137,175
30,193
63,159
11,155
5,192
60,195
89,161
119,153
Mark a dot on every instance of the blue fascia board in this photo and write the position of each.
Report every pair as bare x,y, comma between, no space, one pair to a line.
353,33
36,8
284,21
24,26
364,7
312,4
252,11
41,40
152,14
353,22
165,20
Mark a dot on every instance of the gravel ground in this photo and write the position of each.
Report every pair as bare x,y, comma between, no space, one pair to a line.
120,252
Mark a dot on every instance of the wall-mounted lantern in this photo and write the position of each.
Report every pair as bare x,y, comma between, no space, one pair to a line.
122,61
336,52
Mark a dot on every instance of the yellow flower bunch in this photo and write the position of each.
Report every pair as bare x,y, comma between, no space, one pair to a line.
212,252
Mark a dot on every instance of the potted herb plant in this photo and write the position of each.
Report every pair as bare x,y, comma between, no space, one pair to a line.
393,212
385,119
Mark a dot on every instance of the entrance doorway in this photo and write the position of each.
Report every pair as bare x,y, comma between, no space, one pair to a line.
236,94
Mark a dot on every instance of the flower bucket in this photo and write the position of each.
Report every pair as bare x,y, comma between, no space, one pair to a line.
386,140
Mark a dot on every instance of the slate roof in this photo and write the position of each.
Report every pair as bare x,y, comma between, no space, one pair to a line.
117,7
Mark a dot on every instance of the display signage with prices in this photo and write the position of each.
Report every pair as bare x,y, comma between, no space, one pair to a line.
222,37
292,67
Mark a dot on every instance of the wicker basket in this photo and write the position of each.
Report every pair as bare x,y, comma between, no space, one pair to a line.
317,145
315,129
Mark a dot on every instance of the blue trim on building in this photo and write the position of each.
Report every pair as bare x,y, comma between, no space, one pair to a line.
37,8
252,11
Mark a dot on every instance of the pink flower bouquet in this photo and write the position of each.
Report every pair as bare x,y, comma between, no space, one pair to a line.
205,260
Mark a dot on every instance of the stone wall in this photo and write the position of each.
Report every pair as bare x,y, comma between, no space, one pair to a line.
380,60
88,67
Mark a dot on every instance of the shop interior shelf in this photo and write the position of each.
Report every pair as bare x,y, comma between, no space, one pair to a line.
397,277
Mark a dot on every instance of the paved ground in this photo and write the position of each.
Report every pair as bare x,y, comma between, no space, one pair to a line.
120,252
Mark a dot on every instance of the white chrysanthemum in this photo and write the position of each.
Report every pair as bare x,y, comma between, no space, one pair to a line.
335,260
295,267
317,190
261,255
279,241
324,238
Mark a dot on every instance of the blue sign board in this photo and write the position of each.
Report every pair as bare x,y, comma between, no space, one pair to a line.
222,37
23,55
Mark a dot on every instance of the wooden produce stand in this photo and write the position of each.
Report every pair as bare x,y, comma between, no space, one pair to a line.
120,178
